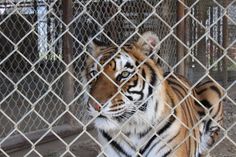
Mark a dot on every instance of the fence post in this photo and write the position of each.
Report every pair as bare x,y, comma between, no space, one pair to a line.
225,44
211,9
219,37
180,34
68,81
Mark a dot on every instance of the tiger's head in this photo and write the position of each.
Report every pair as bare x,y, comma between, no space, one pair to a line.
122,81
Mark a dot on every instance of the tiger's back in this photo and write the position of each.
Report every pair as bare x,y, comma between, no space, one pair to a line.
182,88
207,97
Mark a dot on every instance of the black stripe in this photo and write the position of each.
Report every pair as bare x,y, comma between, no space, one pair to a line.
165,127
150,90
218,110
107,55
199,155
208,125
152,81
114,143
143,107
172,101
188,112
206,103
166,73
177,84
141,91
198,104
142,134
170,140
201,113
201,91
114,68
144,82
143,74
99,43
101,116
128,65
216,90
167,153
154,146
129,97
153,75
124,116
148,144
118,78
135,83
201,84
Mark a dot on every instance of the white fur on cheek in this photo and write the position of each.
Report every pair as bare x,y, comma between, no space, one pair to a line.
104,121
106,124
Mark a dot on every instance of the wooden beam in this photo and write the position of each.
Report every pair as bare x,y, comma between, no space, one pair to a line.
181,36
67,54
211,9
225,45
18,142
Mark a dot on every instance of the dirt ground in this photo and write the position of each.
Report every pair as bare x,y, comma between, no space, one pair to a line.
226,146
86,147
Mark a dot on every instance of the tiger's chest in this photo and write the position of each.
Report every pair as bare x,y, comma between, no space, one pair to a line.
126,144
139,137
127,141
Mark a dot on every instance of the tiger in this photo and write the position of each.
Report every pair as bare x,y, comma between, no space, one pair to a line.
137,111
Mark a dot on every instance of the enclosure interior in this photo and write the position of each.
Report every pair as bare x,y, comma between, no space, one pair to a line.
44,46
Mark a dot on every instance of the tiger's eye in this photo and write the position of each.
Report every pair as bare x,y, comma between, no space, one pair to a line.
125,74
92,73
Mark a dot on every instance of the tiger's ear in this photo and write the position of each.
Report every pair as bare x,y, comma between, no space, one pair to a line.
149,42
95,47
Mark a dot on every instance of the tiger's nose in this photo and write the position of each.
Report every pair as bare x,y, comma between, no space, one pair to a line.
98,102
96,106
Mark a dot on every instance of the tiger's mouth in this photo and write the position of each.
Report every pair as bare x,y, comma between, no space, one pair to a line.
101,116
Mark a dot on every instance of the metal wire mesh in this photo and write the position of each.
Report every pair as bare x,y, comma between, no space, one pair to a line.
40,90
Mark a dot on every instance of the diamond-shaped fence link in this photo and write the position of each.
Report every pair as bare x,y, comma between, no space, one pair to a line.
44,47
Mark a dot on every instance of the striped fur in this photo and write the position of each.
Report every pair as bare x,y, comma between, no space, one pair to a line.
208,106
138,112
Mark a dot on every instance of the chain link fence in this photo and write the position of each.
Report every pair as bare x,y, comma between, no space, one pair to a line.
43,49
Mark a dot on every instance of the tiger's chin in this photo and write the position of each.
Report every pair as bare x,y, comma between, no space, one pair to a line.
106,124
